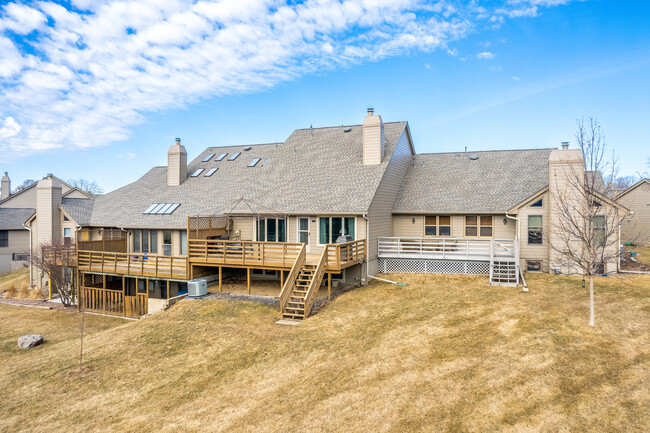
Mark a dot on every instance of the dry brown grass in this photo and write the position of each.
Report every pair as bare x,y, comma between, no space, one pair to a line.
445,353
644,254
16,279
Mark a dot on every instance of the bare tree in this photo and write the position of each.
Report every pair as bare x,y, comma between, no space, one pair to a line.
24,185
88,186
585,222
55,260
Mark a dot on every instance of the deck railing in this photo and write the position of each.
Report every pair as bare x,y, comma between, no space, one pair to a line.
101,300
447,248
135,264
60,255
342,255
290,282
312,290
244,253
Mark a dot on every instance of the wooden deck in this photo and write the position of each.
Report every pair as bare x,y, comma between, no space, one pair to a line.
134,264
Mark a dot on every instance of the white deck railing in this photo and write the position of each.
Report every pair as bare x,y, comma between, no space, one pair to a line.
448,248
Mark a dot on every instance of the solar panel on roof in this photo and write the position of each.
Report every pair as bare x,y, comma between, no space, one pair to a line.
254,162
220,157
150,208
164,208
234,156
207,158
172,209
197,172
211,171
157,208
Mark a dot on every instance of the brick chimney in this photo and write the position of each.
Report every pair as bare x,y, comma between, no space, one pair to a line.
5,189
373,139
176,164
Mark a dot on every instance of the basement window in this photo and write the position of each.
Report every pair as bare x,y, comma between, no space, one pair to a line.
234,156
534,265
211,172
220,157
254,162
207,158
197,172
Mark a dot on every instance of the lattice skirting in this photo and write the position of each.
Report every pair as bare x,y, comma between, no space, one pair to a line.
420,266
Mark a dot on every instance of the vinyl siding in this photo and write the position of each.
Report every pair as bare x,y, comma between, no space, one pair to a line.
380,212
405,227
18,243
636,227
534,251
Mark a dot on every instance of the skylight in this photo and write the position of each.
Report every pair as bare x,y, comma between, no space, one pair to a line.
207,158
161,208
197,172
220,157
211,171
234,156
254,162
266,162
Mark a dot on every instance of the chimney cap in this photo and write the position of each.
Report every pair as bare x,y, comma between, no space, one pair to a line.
565,145
178,141
370,111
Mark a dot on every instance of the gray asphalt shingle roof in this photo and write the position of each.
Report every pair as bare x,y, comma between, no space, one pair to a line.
80,209
317,170
14,218
454,183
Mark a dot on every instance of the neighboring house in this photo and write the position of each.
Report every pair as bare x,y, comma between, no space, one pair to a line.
336,204
636,227
44,211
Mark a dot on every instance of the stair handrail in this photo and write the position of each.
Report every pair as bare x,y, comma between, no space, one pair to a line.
290,282
315,283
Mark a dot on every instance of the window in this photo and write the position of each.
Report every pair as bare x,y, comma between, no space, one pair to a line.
17,257
67,238
330,228
272,230
197,172
599,231
4,238
534,265
234,156
538,203
145,241
162,208
437,225
211,171
254,162
65,218
220,157
183,242
207,158
535,230
167,243
478,226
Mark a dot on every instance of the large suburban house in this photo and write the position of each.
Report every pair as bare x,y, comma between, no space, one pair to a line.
636,226
54,201
336,204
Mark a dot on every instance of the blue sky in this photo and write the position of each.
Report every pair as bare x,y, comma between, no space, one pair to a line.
100,89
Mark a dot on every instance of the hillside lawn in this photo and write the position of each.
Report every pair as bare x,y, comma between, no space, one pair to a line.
445,353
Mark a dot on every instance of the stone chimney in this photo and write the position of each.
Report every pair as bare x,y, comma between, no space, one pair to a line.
5,189
48,215
176,164
373,139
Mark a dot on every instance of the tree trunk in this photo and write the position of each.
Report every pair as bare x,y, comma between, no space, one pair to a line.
591,301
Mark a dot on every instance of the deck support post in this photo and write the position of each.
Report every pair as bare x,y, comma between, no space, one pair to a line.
329,286
248,279
281,279
220,279
124,296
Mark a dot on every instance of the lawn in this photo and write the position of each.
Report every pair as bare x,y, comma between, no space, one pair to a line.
444,353
18,279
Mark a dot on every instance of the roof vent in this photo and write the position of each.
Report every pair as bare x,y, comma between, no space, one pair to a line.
247,148
347,129
473,156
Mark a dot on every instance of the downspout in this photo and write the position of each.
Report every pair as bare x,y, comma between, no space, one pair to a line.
365,217
31,280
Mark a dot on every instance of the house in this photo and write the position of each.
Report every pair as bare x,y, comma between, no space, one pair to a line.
44,211
636,226
334,204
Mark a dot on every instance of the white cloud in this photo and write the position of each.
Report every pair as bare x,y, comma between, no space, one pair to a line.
127,155
87,78
9,128
485,55
515,78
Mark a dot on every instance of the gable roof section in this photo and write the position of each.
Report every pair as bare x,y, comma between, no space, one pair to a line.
14,218
12,196
454,183
633,187
316,170
79,209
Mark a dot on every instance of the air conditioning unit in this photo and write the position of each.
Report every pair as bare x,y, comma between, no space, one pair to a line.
197,288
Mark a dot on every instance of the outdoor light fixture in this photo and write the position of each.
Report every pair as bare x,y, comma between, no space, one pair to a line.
413,220
583,283
505,221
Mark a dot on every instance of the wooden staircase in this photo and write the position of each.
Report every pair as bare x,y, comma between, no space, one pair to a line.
300,289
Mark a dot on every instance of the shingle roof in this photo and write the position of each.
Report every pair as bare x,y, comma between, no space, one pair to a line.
454,183
14,218
317,170
79,209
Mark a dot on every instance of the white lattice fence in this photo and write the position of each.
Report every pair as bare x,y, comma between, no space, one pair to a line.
413,266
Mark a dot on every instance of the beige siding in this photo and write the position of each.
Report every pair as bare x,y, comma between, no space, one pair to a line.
636,227
534,251
404,226
246,226
18,243
380,211
26,199
75,194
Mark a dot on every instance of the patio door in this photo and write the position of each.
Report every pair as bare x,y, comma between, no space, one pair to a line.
303,232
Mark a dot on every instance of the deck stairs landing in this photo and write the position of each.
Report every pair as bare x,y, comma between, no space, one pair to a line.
504,273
